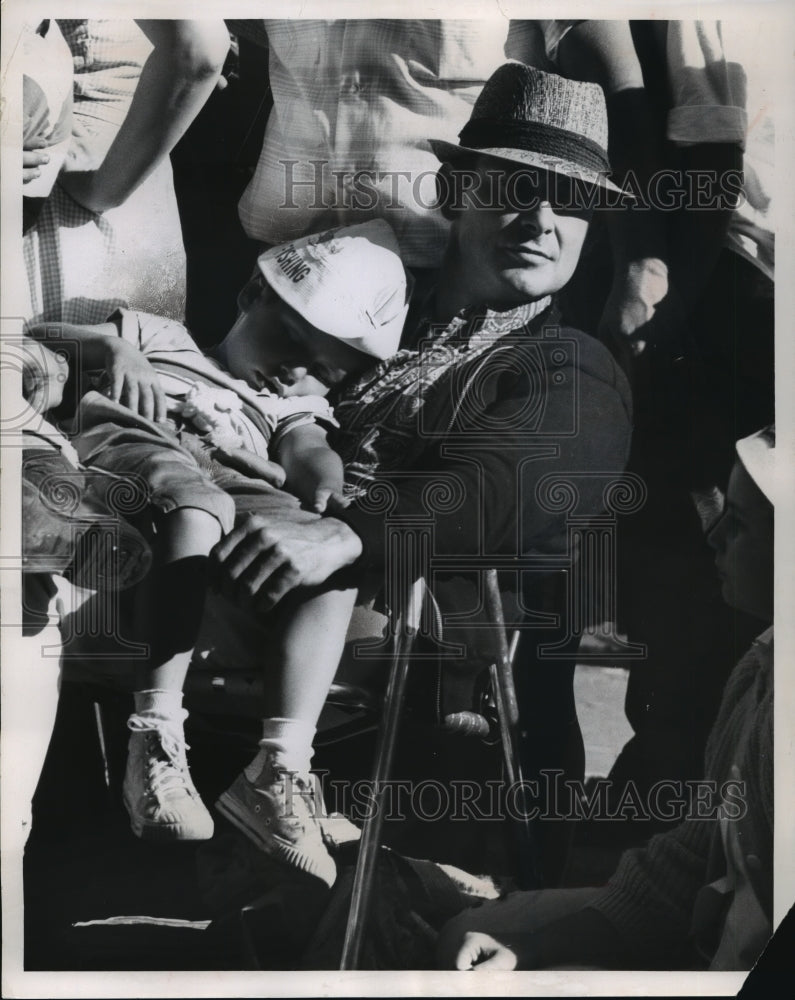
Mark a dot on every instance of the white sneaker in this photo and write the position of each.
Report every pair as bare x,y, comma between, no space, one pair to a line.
338,831
279,814
159,793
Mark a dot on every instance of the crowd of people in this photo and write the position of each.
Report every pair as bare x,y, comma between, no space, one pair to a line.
522,263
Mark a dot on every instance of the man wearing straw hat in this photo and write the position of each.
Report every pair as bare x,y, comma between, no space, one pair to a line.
488,395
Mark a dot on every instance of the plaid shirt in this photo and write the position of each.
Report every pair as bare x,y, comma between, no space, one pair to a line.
365,96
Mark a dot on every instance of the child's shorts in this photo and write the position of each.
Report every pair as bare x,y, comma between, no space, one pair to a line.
176,467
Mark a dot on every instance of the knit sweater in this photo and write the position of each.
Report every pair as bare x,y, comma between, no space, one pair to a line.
658,896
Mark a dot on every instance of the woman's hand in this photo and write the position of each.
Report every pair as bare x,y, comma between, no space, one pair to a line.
44,374
34,157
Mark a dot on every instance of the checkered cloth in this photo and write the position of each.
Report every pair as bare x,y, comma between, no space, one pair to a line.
365,95
81,266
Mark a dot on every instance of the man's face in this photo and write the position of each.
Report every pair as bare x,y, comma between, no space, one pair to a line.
272,346
743,541
508,253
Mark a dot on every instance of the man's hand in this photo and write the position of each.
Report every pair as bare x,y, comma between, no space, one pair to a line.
637,291
478,951
263,559
132,381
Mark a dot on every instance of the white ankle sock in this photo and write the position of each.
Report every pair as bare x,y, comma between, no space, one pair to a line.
158,704
287,743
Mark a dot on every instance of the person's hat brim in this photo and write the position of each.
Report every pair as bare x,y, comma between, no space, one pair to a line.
450,151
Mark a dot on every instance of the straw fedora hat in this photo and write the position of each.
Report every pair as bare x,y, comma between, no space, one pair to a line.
526,116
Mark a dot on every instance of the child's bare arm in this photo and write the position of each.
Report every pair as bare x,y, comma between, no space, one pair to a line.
314,470
132,381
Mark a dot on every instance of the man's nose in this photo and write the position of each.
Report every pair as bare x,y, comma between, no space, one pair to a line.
539,219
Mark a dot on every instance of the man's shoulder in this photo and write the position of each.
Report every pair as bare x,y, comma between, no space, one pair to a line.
565,346
594,361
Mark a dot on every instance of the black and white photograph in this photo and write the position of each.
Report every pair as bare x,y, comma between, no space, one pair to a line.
398,480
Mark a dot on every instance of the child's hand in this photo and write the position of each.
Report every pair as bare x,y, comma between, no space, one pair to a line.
133,382
481,952
328,500
250,464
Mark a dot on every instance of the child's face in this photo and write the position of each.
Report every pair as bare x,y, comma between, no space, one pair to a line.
272,346
508,255
743,541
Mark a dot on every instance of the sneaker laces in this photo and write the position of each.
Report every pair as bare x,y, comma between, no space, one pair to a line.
167,767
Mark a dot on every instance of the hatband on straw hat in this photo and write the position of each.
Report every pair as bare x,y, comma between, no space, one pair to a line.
529,117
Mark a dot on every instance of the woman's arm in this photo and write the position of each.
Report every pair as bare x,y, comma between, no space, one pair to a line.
132,381
175,82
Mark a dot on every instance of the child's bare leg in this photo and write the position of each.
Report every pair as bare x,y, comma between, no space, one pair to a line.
158,791
273,802
310,650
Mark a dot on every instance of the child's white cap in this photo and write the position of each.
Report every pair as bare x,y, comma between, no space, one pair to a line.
348,282
758,454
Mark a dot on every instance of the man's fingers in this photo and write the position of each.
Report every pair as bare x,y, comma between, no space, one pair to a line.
279,583
236,560
220,551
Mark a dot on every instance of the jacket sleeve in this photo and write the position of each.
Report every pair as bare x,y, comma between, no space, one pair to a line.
649,898
494,461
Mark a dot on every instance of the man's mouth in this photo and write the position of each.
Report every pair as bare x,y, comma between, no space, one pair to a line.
530,254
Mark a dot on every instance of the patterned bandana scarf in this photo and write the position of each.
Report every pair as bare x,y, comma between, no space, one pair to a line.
379,413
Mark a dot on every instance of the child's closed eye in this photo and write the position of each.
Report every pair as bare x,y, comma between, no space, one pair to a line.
324,374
